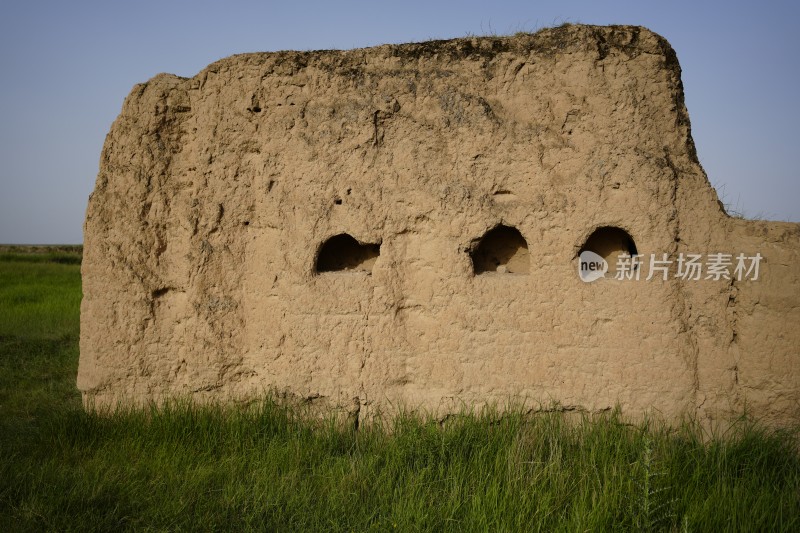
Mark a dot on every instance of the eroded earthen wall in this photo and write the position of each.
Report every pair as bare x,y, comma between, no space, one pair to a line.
216,196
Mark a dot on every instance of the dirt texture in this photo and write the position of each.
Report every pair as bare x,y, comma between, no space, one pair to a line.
204,272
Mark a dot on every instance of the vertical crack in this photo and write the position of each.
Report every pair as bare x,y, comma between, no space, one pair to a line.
684,310
355,414
375,136
733,321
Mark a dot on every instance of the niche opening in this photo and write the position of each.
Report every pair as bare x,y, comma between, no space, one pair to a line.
610,242
343,253
502,250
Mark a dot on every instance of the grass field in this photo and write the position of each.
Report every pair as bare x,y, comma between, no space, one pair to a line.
273,468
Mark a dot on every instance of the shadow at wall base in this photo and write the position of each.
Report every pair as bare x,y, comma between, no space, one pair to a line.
359,415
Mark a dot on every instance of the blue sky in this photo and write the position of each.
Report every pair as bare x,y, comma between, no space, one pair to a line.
66,67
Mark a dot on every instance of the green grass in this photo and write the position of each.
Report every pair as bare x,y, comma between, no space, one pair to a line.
274,467
39,300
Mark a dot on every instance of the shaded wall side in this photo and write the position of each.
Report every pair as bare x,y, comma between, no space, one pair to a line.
764,315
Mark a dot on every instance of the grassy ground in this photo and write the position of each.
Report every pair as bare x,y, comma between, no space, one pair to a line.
273,468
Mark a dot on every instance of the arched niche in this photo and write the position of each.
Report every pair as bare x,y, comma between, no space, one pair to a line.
610,242
343,253
502,250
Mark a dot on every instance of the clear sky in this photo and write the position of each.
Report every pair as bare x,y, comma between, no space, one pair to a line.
65,68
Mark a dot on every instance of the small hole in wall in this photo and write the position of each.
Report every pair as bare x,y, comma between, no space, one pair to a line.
338,201
502,250
610,242
246,222
158,293
503,195
343,253
254,109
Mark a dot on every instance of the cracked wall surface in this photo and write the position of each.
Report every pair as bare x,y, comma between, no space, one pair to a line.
216,193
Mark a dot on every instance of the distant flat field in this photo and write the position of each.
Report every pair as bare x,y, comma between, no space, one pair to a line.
59,253
41,248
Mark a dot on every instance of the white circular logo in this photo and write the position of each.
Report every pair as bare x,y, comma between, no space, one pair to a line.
591,266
